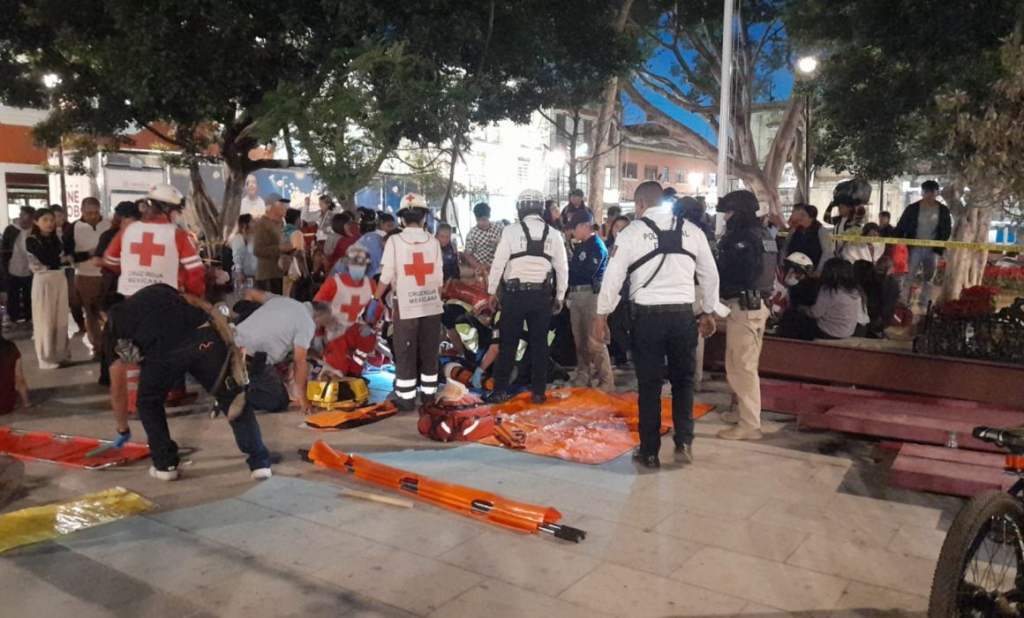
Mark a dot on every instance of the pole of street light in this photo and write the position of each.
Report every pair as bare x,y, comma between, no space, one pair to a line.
725,108
807,65
807,148
51,81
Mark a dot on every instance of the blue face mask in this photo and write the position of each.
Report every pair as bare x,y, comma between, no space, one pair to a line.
357,271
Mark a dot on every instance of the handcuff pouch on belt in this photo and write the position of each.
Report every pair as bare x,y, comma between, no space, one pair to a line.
750,300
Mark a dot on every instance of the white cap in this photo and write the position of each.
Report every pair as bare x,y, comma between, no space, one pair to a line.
413,200
165,193
800,259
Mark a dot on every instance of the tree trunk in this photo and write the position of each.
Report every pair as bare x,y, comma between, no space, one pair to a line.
597,156
234,187
604,117
574,139
965,267
204,207
449,199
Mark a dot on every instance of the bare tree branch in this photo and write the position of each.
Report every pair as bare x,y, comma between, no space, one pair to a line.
768,35
671,91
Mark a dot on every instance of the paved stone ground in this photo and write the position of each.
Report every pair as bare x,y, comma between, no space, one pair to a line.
800,524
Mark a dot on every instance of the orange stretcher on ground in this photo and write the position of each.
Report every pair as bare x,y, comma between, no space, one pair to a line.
473,503
344,419
71,451
584,425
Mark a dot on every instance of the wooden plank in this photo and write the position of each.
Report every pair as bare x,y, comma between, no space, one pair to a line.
947,477
904,427
940,377
955,455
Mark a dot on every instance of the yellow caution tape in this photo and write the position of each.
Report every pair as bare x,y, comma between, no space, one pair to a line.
42,523
941,244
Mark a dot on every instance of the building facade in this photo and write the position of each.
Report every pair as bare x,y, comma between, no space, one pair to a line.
23,171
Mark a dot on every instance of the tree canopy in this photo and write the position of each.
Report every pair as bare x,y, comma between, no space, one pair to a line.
349,79
882,64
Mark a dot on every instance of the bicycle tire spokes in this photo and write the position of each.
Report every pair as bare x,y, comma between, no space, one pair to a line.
990,585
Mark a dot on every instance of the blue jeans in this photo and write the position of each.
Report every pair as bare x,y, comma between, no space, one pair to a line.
925,261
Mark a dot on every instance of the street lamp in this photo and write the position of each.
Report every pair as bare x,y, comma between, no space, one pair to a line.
51,81
555,159
807,66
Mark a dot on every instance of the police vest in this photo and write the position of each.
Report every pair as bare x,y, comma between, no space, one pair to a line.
350,299
149,255
769,263
670,242
534,248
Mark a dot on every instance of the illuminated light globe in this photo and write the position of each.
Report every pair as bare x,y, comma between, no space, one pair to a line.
807,64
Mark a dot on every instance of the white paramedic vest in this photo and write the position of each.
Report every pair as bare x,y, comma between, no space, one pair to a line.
350,301
149,255
420,276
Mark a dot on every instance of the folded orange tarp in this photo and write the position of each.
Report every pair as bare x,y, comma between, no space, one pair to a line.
584,425
467,501
72,451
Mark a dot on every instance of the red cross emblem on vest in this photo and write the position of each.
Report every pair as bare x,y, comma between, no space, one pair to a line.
352,309
147,249
419,269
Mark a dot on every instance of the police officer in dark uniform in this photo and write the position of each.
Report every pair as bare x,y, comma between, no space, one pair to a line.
742,261
531,267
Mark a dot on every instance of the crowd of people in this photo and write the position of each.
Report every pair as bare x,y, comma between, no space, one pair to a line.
330,294
834,286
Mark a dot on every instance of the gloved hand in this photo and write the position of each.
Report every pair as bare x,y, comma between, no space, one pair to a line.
477,381
122,438
365,330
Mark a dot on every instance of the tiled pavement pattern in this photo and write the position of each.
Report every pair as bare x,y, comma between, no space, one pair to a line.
770,529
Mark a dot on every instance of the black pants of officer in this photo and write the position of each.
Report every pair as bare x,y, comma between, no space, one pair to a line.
664,343
534,308
202,354
274,286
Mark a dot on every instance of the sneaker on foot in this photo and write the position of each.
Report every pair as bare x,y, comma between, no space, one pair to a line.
645,460
740,433
170,474
539,399
730,416
261,474
684,453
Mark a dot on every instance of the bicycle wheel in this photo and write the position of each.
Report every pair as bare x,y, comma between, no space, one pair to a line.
981,567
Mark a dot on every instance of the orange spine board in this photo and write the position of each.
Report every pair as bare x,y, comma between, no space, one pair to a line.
490,507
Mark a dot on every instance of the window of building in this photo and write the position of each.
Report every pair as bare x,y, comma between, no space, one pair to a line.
680,176
523,171
609,177
650,172
629,170
665,176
